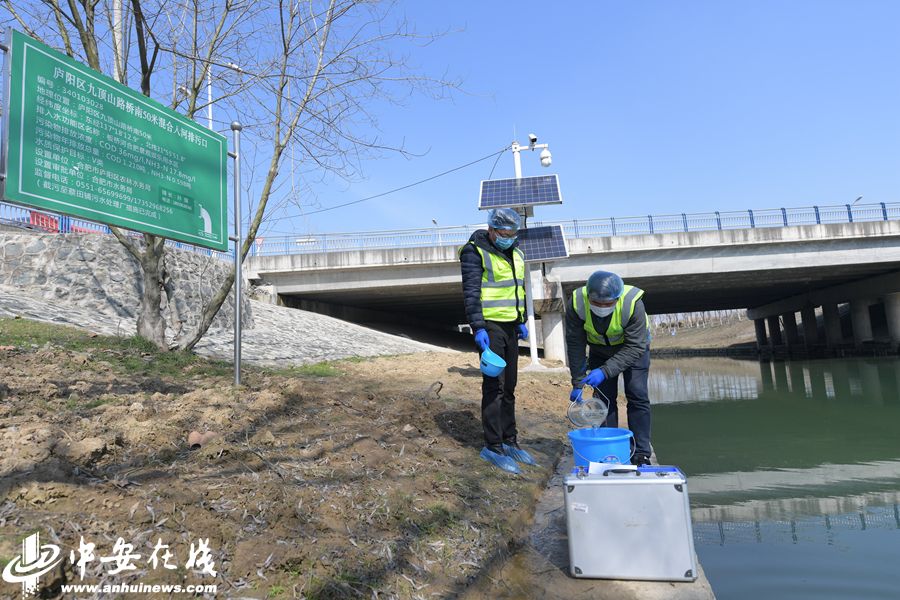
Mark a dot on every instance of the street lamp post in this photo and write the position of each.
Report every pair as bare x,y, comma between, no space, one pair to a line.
546,161
437,232
209,99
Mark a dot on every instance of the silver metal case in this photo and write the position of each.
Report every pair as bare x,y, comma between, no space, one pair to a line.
628,523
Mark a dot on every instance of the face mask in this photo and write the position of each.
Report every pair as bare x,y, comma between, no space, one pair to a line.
602,311
504,243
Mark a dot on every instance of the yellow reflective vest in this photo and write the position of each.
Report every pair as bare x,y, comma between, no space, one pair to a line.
615,332
502,286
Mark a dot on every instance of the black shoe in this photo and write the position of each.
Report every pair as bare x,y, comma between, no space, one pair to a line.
640,460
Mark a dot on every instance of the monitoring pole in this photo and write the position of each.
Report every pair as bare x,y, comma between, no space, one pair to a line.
238,276
529,295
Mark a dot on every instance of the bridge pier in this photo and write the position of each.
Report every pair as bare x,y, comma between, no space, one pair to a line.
553,329
791,333
761,339
892,311
861,321
810,326
775,338
833,335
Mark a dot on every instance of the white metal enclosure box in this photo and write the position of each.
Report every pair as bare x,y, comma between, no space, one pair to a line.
630,523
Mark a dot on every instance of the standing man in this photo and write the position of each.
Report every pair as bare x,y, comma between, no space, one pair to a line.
609,317
493,279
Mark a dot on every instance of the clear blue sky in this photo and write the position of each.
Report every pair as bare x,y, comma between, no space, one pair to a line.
652,107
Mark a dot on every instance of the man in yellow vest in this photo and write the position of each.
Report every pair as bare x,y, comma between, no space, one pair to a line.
609,318
493,279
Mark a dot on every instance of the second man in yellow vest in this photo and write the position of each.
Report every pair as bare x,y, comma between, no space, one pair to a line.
608,318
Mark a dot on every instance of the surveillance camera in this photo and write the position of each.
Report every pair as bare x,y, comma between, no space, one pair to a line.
532,138
546,158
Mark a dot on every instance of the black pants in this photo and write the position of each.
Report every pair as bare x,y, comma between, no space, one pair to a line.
498,400
636,394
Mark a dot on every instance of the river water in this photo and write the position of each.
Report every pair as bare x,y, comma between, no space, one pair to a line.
793,472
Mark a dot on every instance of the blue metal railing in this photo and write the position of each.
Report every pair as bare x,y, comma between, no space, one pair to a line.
456,236
613,226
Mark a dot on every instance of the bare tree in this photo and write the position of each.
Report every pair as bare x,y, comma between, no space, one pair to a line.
300,76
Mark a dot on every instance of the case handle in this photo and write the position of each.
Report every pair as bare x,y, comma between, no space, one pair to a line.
621,471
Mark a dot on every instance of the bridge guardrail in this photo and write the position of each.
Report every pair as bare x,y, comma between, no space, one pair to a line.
650,224
456,236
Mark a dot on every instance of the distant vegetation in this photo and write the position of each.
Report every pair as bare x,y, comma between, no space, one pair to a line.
694,320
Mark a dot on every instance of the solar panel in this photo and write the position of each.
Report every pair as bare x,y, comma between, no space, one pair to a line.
543,243
525,191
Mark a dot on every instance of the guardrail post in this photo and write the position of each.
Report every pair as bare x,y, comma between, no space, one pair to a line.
684,220
718,221
575,226
818,217
612,222
752,222
849,212
784,217
650,221
884,211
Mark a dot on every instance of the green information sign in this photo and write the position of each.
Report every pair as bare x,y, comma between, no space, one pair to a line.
79,143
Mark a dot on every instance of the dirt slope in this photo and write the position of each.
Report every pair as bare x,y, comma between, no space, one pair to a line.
347,480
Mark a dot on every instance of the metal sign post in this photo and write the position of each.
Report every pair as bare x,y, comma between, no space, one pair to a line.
238,275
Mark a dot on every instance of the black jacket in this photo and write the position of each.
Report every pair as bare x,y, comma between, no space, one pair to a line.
614,359
472,270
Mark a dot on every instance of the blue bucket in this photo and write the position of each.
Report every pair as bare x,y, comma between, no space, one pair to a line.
491,363
601,445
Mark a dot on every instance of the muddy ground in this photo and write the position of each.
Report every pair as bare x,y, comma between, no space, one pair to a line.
353,479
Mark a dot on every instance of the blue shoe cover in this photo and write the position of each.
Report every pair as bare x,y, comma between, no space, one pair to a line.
499,460
518,455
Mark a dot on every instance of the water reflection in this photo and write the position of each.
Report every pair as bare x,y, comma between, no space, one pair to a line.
715,379
793,472
876,379
815,529
703,380
793,422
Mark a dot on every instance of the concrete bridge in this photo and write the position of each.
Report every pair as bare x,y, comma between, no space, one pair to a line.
815,262
763,262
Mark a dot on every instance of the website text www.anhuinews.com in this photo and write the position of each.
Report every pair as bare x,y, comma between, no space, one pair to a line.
137,588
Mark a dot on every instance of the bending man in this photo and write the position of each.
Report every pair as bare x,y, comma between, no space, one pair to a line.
609,318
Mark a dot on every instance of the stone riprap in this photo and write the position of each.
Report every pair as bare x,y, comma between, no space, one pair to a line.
97,272
69,280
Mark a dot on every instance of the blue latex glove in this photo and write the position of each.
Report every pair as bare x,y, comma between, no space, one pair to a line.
594,378
575,395
482,339
523,331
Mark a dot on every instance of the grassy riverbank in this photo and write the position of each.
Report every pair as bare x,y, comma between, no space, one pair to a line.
339,480
734,336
